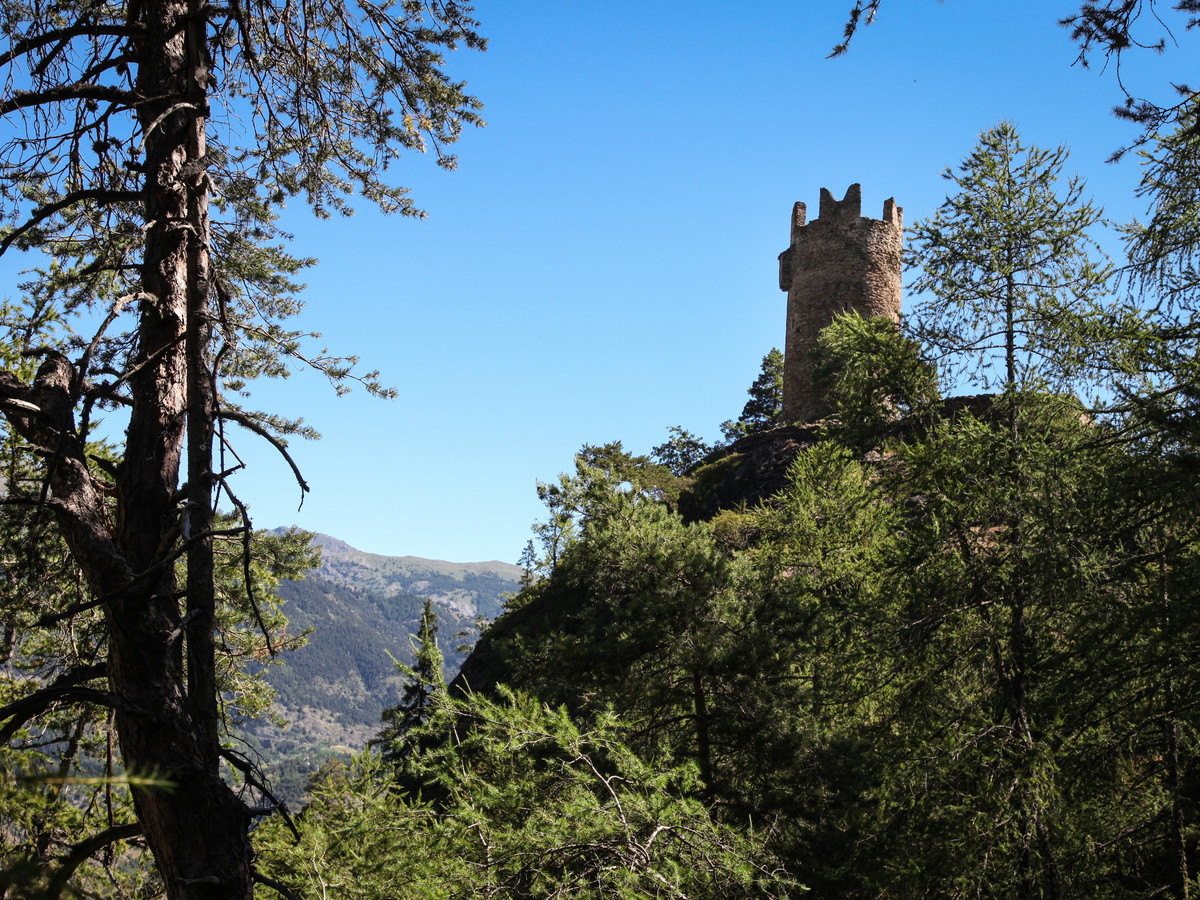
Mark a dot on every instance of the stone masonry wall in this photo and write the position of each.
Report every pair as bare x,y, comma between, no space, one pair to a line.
840,261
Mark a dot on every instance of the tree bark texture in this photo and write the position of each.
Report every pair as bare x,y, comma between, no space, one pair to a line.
197,830
161,664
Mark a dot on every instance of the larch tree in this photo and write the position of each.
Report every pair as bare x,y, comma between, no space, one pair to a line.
144,149
1153,348
1006,260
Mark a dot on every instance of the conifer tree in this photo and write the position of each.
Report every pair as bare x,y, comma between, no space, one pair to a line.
1006,260
1152,348
147,146
763,408
532,803
871,373
681,451
423,681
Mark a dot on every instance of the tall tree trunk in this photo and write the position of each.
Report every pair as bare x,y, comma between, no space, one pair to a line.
197,830
201,412
703,744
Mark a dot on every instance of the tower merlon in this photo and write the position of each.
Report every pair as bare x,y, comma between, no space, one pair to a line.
893,214
849,207
799,217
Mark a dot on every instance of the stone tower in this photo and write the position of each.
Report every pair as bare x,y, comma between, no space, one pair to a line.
840,261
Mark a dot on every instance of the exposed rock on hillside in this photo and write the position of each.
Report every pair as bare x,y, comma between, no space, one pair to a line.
471,589
746,472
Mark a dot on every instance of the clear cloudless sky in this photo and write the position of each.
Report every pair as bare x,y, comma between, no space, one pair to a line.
602,264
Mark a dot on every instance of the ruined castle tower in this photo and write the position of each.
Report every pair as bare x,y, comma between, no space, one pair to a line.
840,261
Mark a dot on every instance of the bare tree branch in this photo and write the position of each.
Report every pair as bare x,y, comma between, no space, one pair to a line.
64,688
78,91
83,850
247,768
30,44
248,423
276,886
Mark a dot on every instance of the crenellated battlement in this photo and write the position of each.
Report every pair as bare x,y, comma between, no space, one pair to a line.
838,262
893,214
849,207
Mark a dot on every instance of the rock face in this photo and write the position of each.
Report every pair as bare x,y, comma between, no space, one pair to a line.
746,473
841,261
753,468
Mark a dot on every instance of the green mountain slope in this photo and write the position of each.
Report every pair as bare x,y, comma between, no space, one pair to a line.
359,608
472,589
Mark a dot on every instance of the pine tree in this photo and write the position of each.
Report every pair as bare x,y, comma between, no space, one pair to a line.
423,682
765,405
872,374
147,148
681,451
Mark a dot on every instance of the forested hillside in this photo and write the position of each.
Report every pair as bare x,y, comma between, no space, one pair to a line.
360,613
935,636
923,647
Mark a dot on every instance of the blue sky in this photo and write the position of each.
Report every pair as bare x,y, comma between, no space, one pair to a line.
603,262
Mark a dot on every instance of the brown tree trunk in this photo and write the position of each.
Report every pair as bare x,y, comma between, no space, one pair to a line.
165,710
198,829
703,744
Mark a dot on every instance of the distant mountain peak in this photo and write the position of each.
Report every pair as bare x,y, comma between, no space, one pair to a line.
326,542
336,547
471,588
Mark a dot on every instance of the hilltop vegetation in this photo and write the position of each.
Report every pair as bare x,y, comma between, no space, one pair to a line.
916,649
921,648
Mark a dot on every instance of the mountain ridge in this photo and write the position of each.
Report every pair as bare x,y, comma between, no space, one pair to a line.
363,609
470,588
337,545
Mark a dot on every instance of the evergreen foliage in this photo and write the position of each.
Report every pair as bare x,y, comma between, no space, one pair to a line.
148,147
958,667
957,670
681,452
872,375
765,405
963,666
66,806
1007,258
532,804
1150,349
422,682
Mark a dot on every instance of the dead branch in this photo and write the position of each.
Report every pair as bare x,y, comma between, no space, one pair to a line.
83,850
249,424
